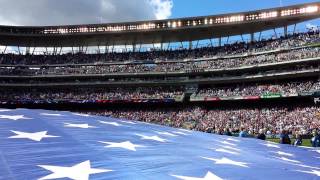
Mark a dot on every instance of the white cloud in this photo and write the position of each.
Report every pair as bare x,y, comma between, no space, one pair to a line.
162,8
311,26
57,12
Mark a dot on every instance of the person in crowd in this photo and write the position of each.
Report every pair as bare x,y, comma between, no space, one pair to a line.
243,133
261,135
284,137
298,141
227,132
220,131
315,140
209,130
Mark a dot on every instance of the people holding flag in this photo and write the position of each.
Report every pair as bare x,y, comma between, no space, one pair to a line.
315,140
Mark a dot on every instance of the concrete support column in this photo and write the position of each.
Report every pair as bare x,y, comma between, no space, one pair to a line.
252,37
27,50
134,47
34,49
275,33
5,49
190,45
285,31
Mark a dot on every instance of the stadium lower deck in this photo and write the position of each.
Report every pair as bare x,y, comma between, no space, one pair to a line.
41,144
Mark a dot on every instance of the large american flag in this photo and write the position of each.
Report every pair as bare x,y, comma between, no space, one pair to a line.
39,144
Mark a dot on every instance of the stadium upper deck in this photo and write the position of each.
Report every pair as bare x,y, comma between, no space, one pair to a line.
159,31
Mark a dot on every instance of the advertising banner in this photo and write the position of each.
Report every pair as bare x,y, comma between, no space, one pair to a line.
271,95
212,99
251,97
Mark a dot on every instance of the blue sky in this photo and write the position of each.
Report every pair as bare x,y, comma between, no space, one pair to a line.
183,8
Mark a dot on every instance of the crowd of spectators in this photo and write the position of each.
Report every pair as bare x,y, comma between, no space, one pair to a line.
297,120
285,89
297,54
228,56
92,94
288,88
294,40
253,121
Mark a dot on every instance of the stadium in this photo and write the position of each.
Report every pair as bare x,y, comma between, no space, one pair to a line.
163,99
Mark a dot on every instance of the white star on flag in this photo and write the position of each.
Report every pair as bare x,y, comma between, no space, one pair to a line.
226,151
83,115
5,110
125,145
209,176
271,145
232,139
111,123
185,130
227,143
230,148
128,122
317,173
153,138
83,126
14,117
166,134
284,154
50,114
289,160
37,136
306,166
80,171
227,161
181,133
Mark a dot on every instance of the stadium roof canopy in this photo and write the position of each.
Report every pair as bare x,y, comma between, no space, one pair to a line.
158,31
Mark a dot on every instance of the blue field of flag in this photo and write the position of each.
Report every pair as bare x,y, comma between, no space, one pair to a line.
39,144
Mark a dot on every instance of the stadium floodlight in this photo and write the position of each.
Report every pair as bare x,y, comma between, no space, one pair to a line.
237,18
230,19
211,21
304,10
62,31
174,24
83,29
152,25
311,9
194,23
205,21
266,15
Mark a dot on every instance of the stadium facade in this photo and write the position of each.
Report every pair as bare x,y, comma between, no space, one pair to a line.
273,71
263,88
159,31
